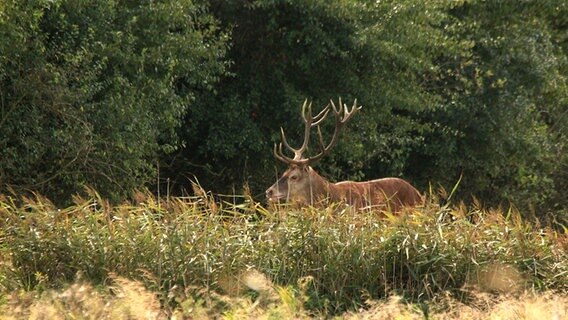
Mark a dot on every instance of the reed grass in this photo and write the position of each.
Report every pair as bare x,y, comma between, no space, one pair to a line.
328,261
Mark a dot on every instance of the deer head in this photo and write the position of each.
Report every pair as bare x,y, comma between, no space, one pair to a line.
300,182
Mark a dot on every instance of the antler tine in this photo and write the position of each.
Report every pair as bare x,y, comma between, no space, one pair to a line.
348,114
335,109
320,116
278,154
285,141
304,106
342,115
320,136
313,120
308,124
298,153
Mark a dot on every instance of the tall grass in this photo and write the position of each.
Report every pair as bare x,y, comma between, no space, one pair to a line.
126,299
338,258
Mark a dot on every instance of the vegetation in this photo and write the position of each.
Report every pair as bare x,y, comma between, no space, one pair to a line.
117,95
449,89
187,250
129,300
91,92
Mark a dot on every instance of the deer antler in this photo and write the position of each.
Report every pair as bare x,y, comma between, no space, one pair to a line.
342,115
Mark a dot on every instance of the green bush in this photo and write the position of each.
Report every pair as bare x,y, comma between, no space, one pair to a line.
91,91
121,95
449,89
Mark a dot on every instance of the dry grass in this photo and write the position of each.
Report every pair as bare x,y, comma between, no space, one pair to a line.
527,306
544,306
126,299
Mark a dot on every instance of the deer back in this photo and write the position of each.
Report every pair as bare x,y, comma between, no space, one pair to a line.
381,194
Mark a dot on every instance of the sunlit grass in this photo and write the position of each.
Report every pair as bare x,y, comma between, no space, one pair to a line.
125,299
231,256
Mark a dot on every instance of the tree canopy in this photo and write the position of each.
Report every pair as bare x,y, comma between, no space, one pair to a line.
93,91
115,94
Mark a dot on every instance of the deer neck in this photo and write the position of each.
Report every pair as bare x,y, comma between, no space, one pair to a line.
321,190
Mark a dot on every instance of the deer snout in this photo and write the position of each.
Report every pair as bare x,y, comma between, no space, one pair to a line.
269,193
273,194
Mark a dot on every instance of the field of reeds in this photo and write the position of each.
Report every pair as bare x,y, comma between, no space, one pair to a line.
205,257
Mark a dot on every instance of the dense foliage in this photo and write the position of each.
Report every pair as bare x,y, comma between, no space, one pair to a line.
104,94
92,91
338,259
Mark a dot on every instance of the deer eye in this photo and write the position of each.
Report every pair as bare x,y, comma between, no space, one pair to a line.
293,177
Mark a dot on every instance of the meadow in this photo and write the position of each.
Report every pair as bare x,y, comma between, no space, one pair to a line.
230,257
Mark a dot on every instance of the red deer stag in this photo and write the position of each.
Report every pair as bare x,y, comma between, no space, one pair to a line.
302,185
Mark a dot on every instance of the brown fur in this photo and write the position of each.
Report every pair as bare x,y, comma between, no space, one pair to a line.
304,186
